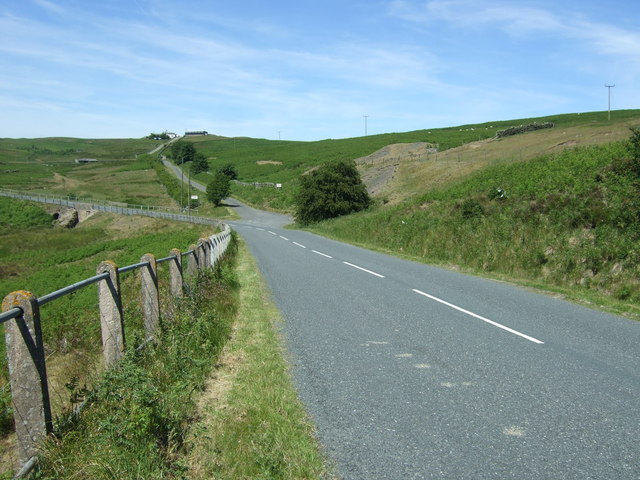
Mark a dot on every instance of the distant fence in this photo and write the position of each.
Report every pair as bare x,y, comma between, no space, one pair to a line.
259,184
111,207
25,347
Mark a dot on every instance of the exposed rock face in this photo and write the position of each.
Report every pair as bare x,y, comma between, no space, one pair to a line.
65,218
379,169
523,129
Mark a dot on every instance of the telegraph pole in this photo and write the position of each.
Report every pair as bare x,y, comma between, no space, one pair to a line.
609,110
181,183
365,124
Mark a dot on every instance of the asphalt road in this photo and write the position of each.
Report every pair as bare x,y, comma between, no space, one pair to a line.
411,371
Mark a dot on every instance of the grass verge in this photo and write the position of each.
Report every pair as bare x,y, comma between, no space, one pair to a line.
252,424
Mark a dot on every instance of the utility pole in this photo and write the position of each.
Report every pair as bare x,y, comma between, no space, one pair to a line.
609,110
189,197
365,124
181,183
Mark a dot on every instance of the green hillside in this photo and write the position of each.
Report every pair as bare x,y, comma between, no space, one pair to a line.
566,221
569,219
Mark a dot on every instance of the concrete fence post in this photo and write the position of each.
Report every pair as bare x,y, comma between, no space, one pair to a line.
192,261
111,318
27,373
175,273
202,254
149,295
215,242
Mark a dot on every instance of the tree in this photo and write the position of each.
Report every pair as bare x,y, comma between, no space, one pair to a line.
182,151
218,188
200,163
332,190
230,171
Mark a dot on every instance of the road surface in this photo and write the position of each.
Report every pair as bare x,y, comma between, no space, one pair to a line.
413,372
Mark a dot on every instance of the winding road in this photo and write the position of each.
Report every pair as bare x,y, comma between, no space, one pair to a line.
415,372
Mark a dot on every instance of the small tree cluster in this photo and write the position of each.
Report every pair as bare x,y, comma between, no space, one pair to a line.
332,190
200,163
182,152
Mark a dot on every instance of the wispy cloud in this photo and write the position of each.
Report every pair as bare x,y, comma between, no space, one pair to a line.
517,19
50,6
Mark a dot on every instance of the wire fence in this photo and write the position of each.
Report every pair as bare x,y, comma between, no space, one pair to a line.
169,213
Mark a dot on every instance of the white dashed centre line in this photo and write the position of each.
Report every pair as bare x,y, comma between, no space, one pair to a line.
272,233
363,269
299,245
284,238
323,254
491,322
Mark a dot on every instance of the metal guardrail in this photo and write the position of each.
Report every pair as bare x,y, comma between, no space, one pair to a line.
71,288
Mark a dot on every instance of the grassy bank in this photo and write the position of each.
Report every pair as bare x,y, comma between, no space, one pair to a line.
252,425
566,221
71,328
139,413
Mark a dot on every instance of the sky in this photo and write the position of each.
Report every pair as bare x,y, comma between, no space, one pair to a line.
307,69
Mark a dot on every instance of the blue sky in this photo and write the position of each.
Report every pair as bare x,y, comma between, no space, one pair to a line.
307,70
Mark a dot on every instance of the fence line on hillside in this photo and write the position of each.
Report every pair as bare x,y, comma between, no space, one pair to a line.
110,207
25,346
258,184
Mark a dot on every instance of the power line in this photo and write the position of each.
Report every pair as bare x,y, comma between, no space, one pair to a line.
609,110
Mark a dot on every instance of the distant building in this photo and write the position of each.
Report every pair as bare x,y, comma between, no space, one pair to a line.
191,134
171,134
86,160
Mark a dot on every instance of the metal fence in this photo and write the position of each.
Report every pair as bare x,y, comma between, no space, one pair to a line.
111,207
25,347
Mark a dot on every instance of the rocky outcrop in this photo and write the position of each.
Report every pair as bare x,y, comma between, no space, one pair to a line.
523,128
65,218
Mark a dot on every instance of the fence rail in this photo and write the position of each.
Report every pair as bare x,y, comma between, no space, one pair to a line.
110,207
25,347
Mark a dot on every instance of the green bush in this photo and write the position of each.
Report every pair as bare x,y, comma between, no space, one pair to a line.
332,190
218,189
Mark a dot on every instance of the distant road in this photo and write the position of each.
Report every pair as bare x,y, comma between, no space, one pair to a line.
413,372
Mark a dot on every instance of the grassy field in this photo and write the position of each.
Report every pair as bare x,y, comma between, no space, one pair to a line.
48,165
279,161
71,328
